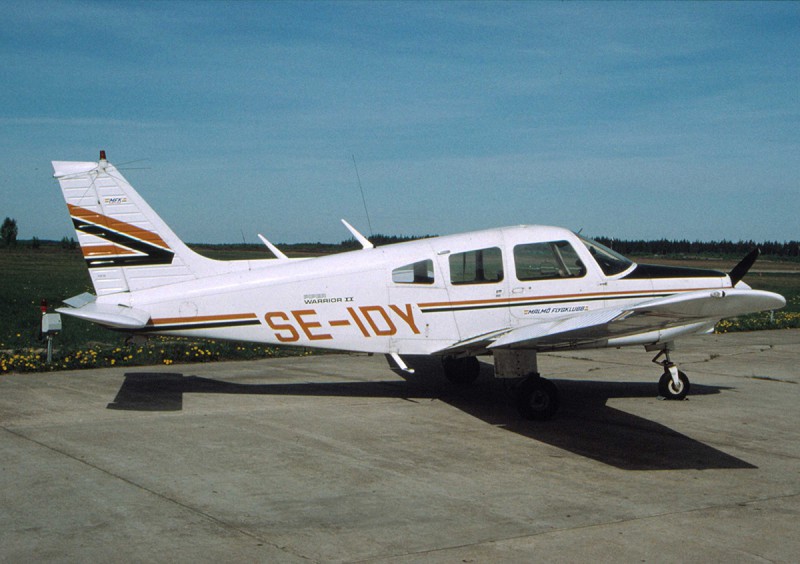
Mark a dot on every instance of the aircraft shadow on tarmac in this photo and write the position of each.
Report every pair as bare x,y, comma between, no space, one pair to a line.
585,425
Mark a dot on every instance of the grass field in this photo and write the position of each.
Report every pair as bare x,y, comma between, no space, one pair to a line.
54,273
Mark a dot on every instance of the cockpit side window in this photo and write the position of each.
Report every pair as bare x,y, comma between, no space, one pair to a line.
483,266
546,261
420,272
611,262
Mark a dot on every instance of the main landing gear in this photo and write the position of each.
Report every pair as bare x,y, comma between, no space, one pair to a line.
538,399
535,398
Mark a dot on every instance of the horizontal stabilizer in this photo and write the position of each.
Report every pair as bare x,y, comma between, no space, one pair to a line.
110,315
80,300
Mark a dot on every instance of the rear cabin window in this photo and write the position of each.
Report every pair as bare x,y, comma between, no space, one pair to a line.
420,272
546,261
484,266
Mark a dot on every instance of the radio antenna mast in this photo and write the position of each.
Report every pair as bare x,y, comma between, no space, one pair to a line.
363,199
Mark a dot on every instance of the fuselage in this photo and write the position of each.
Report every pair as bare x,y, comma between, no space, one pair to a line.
418,297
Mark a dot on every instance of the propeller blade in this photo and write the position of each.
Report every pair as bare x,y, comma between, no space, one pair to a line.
744,265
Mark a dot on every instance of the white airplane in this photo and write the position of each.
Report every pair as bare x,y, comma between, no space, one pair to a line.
510,292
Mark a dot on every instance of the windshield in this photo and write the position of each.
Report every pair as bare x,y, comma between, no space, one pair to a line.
611,262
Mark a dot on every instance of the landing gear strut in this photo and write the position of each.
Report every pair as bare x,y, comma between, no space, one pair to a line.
673,384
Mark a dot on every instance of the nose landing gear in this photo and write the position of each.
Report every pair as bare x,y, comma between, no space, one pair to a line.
673,384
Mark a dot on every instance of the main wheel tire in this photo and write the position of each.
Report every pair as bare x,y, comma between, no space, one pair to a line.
537,399
462,371
667,388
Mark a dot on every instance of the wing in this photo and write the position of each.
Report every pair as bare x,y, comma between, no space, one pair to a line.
693,308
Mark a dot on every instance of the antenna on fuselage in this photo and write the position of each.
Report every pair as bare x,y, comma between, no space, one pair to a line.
275,250
363,199
365,243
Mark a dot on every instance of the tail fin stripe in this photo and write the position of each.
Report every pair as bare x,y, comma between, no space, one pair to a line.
90,217
106,251
150,254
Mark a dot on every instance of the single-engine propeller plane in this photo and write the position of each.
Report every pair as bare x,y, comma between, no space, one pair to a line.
510,292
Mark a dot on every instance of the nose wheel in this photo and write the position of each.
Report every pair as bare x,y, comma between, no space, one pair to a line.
673,384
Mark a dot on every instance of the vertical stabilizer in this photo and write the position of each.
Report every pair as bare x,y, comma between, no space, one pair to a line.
126,245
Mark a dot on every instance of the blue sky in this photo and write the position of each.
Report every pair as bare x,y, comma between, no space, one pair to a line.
634,120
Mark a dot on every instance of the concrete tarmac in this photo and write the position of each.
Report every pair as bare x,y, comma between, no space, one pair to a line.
338,458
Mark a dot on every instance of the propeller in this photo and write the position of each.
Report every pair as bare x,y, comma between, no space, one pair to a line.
744,265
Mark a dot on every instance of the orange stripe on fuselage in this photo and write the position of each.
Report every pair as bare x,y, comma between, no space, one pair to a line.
117,225
203,318
512,301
